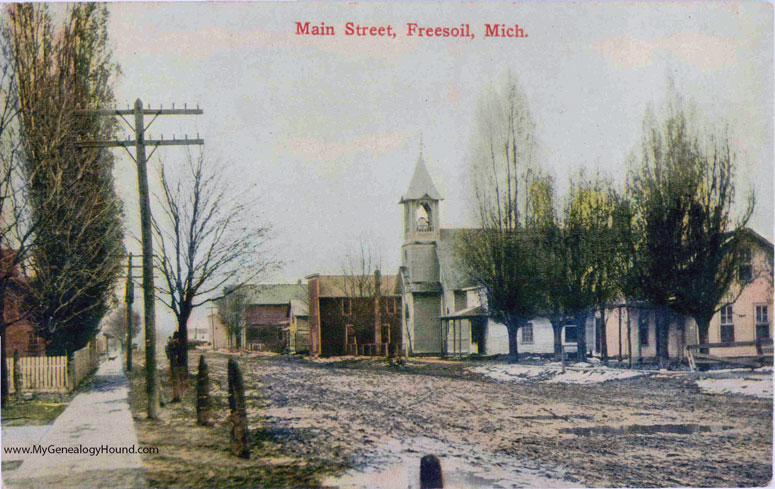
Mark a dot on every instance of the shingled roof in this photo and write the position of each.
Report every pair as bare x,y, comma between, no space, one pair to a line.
275,294
421,185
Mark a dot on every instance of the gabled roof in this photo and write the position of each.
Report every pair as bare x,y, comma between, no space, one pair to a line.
337,285
275,294
755,237
421,185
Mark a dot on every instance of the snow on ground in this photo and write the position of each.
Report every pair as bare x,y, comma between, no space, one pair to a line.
579,373
745,386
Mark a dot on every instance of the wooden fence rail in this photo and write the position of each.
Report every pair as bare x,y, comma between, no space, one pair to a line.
762,356
51,374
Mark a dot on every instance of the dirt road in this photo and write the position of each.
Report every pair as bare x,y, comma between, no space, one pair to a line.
379,419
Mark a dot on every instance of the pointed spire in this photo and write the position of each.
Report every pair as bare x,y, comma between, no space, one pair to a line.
421,185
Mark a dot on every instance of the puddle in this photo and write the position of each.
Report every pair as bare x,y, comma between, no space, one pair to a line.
646,429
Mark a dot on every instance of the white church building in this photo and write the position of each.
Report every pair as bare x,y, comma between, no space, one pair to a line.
443,310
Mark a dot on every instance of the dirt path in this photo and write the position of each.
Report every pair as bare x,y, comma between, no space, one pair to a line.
381,419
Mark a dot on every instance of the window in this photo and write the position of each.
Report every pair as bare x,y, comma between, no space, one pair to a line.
390,305
762,322
643,327
347,307
727,325
570,334
527,333
33,343
744,269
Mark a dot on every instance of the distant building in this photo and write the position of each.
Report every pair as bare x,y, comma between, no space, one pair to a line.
20,335
341,321
748,318
267,319
296,335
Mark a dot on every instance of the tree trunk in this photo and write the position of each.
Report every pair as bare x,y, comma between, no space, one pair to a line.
557,330
483,325
629,335
703,328
603,337
185,314
581,337
662,321
512,326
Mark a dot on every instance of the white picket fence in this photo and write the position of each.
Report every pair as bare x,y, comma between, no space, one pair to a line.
50,374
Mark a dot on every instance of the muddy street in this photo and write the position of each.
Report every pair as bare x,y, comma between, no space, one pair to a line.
380,420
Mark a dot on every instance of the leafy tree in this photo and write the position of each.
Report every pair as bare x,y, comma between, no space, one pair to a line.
593,204
688,241
78,248
501,256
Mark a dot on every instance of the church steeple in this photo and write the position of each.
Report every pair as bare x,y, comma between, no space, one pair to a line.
421,205
421,186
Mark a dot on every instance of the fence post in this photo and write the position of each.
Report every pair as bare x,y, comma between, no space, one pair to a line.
562,357
202,394
237,412
71,370
430,473
17,381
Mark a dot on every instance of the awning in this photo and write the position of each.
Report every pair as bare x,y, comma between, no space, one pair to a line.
469,313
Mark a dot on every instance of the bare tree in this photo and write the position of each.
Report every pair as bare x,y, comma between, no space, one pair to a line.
231,312
114,323
358,271
207,237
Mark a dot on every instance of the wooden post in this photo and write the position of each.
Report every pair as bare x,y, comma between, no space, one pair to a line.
71,371
430,473
17,380
620,334
240,446
202,394
129,298
149,299
562,357
149,291
377,311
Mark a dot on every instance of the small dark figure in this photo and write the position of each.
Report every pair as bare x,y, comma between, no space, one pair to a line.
430,473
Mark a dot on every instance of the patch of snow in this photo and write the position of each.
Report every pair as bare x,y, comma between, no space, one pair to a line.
749,387
583,374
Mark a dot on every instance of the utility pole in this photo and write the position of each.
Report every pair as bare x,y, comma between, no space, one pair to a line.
140,159
212,327
129,298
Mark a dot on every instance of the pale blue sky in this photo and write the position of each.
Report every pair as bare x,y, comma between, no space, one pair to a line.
327,128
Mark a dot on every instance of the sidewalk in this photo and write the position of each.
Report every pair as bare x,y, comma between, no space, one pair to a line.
97,417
